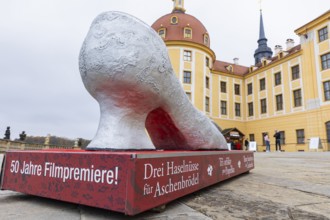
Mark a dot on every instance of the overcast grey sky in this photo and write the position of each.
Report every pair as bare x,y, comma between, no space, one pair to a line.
40,86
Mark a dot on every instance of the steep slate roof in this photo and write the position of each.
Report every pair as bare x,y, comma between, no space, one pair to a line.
275,58
239,70
221,66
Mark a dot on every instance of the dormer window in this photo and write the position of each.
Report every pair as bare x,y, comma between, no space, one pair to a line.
206,39
230,68
162,32
174,20
187,32
280,55
264,61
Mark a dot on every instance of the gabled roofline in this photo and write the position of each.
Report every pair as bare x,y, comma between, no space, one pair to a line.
310,25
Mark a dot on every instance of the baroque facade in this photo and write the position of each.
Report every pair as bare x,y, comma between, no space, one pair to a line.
288,90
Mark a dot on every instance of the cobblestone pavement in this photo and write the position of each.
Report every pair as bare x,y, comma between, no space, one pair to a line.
282,186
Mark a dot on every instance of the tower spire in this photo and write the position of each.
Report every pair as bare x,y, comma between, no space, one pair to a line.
263,50
261,29
178,6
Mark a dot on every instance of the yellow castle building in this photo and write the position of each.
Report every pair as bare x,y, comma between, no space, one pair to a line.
288,90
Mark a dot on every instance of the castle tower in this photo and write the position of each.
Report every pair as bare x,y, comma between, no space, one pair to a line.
188,44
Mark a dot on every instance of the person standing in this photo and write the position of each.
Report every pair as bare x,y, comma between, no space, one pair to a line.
233,145
246,144
267,142
277,137
238,145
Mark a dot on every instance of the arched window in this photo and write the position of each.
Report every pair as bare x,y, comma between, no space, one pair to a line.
327,127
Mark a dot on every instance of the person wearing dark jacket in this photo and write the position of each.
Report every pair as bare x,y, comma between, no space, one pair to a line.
246,144
277,137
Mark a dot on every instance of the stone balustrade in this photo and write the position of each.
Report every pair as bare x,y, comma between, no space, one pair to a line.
19,145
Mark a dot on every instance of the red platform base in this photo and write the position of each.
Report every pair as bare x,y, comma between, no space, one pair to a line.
127,182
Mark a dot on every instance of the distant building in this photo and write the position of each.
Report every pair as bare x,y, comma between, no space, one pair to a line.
288,91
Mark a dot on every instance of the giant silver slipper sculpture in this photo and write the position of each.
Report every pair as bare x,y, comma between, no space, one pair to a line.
125,66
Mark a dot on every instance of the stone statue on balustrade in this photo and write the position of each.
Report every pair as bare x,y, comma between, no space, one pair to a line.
7,134
22,136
